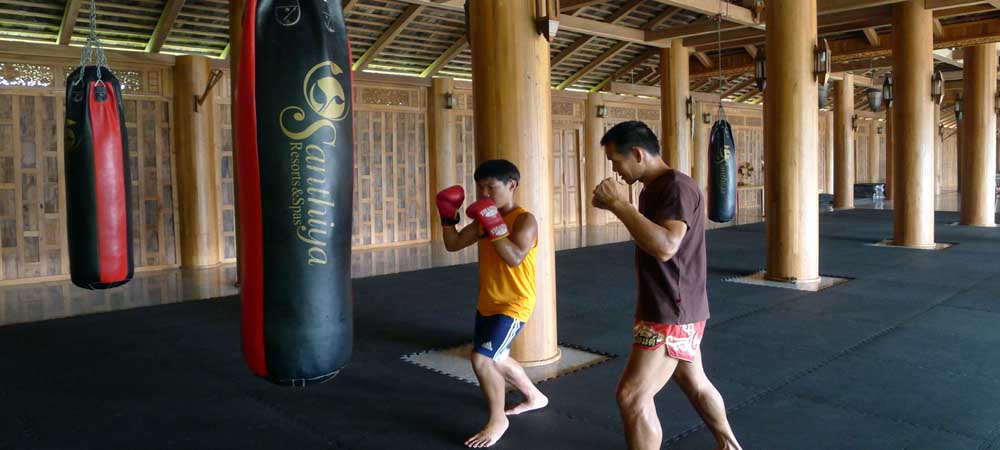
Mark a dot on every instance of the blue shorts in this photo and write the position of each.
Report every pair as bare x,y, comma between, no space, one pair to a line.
494,334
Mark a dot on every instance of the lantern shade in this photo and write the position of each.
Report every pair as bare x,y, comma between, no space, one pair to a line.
759,70
875,99
824,93
887,90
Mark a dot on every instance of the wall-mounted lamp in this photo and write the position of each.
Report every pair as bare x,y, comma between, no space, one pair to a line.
875,99
887,90
602,111
958,108
822,62
759,70
996,101
689,108
937,87
706,118
880,130
449,100
854,122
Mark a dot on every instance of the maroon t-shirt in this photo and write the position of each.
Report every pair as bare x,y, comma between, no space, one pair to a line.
673,292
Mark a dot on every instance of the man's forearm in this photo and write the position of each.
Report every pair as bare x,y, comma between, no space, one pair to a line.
648,235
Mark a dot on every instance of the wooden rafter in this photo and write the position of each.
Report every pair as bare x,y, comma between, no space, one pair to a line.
348,5
751,50
961,34
602,29
698,28
871,35
607,55
582,41
409,15
571,5
750,94
164,25
730,12
737,88
704,60
638,61
446,57
70,14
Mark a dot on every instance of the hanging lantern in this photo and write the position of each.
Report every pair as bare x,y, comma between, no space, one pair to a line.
937,87
875,99
759,70
887,90
958,108
854,122
822,62
824,93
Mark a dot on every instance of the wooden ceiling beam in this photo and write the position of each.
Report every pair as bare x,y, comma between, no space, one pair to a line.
871,35
442,61
705,61
603,29
409,15
347,6
570,5
582,41
607,55
730,12
962,34
164,25
751,50
70,13
638,61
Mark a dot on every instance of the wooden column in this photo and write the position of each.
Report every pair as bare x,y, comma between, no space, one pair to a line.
889,140
913,65
236,8
198,178
979,128
874,148
790,141
937,151
959,150
594,158
441,147
830,158
699,149
513,121
674,86
843,142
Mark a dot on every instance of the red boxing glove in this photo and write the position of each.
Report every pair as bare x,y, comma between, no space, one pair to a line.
486,213
448,203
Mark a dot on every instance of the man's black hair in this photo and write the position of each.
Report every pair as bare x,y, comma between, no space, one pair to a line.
630,134
497,169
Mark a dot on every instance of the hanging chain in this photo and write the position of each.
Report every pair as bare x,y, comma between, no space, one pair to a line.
92,49
722,111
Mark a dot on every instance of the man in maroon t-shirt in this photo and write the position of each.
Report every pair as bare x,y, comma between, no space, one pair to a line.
669,233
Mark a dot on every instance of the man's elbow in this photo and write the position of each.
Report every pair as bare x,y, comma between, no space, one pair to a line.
666,253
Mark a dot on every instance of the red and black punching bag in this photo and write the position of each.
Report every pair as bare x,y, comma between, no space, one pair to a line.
295,160
98,184
721,173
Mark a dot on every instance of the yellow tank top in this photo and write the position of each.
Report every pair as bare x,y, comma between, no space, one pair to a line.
504,289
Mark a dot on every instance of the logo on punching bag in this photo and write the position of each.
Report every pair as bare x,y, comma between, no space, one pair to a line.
311,205
288,12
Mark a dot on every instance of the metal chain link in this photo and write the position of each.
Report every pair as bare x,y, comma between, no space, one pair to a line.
92,48
722,112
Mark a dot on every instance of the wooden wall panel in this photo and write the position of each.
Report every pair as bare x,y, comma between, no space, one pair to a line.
390,163
227,167
949,161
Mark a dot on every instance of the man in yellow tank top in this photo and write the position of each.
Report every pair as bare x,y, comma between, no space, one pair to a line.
508,238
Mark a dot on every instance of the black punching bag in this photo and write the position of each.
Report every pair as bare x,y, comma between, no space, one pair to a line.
721,173
295,165
98,187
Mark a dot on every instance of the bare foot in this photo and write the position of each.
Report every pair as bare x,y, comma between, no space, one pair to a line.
489,435
532,404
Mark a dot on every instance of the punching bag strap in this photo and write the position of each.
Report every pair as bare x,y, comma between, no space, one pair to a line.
93,50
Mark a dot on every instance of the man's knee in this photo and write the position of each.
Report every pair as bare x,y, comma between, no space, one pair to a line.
481,361
631,396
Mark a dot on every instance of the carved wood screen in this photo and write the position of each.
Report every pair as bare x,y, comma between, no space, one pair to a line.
32,189
390,164
824,149
862,173
567,163
227,188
